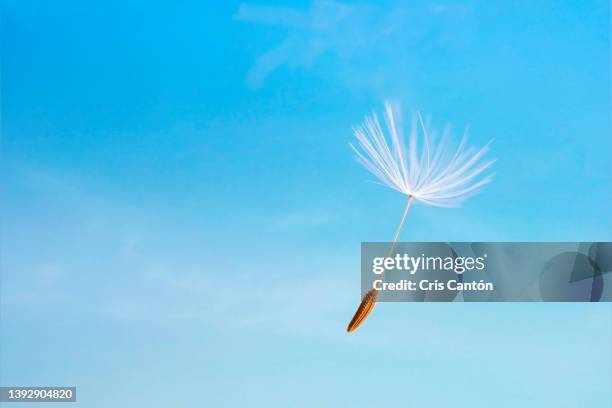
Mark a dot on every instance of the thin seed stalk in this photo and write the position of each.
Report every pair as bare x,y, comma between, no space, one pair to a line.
369,300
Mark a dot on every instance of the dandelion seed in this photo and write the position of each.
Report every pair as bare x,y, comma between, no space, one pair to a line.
425,170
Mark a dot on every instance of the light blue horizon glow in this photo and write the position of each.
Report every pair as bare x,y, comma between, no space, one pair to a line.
182,214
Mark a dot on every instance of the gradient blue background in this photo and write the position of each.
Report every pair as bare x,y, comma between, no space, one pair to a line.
182,215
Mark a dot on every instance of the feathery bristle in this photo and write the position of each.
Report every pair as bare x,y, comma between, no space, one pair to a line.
434,174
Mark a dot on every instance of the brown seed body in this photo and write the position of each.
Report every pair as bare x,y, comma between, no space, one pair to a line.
363,311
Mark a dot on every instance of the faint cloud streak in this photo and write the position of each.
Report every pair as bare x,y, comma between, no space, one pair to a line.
350,32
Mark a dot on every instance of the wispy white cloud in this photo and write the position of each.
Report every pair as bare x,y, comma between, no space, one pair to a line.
351,32
237,302
111,262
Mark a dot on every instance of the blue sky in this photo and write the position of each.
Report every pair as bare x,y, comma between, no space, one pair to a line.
182,214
